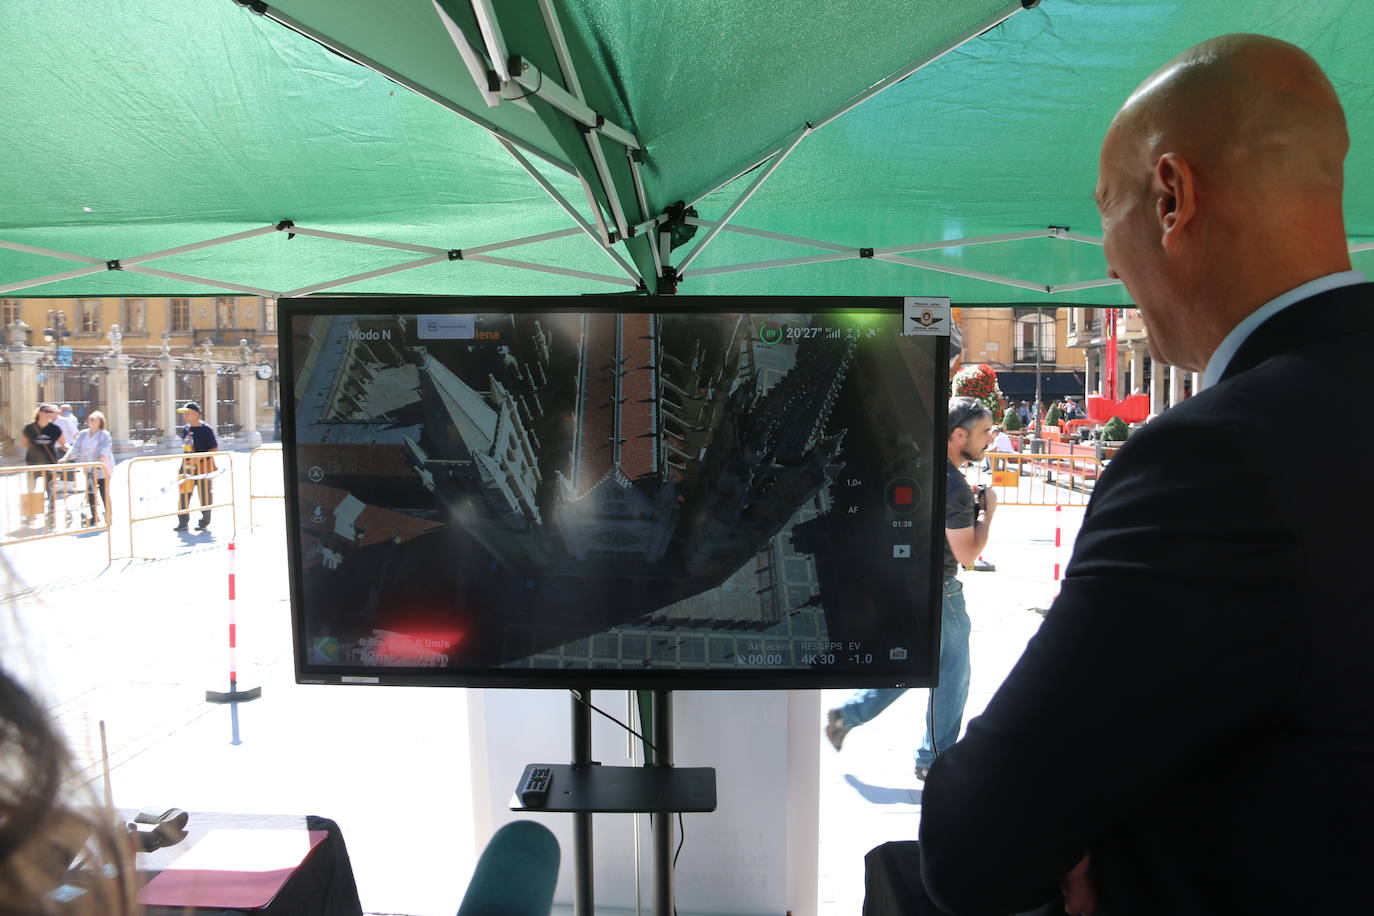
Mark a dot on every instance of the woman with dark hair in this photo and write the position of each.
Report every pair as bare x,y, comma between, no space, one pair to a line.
61,854
55,858
42,438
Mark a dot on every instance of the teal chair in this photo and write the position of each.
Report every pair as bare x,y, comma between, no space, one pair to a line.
516,873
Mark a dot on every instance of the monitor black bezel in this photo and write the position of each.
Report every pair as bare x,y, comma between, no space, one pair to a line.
676,679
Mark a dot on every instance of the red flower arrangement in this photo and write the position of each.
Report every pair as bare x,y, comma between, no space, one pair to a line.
979,382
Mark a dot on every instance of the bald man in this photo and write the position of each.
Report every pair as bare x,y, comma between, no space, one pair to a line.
1191,731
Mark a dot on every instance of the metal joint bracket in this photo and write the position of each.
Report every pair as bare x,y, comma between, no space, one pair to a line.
865,252
1029,4
455,254
113,265
253,6
285,225
1058,232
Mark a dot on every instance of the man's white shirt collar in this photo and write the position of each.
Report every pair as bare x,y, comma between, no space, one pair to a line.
1230,344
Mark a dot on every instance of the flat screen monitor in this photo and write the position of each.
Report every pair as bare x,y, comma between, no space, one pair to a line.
668,492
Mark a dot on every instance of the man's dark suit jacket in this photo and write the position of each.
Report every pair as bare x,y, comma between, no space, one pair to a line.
1197,710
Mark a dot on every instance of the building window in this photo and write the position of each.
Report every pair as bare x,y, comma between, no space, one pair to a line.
9,312
135,316
88,311
179,318
224,312
269,314
1035,336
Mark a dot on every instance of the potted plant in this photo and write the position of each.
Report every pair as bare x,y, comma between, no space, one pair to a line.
980,383
1011,420
1114,434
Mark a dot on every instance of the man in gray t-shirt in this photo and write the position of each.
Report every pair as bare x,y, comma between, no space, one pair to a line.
967,524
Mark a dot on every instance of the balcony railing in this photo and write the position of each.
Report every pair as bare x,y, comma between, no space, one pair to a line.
1028,354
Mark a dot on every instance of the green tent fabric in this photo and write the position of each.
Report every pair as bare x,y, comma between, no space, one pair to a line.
138,128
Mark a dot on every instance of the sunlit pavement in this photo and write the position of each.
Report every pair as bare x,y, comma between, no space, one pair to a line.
136,644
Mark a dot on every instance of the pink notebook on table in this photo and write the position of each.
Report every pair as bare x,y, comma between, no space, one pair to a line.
232,869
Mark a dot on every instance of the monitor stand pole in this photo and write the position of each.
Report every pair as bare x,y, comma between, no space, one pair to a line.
662,886
663,821
583,888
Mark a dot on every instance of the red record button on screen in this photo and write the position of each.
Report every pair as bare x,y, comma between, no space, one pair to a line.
902,494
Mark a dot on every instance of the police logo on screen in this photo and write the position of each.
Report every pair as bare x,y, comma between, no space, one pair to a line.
925,316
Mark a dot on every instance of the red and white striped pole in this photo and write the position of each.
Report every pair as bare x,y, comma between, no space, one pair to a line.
235,696
233,623
1058,543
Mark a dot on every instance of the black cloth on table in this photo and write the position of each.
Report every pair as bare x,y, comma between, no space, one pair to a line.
322,886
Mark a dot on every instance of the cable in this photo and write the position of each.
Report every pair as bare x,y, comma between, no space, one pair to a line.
539,84
681,826
681,837
594,708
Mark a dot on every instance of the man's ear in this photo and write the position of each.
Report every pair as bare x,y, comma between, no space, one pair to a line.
1175,190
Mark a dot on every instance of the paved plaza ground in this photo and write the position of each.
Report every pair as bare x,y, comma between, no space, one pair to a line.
137,643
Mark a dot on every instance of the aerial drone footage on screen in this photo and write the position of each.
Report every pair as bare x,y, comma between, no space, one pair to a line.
658,492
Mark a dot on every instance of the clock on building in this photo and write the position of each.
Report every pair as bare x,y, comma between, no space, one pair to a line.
265,370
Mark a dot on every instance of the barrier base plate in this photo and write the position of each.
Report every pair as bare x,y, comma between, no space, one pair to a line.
233,696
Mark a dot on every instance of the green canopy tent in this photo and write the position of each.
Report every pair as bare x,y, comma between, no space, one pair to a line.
554,146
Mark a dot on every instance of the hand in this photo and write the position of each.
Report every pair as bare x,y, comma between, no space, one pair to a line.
1080,896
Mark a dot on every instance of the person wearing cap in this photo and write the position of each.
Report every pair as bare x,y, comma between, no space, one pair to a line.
196,436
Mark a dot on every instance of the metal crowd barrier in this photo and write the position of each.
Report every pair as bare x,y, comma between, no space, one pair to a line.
43,501
255,477
160,495
1020,479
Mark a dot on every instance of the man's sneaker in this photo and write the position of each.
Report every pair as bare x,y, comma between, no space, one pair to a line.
836,729
981,565
922,773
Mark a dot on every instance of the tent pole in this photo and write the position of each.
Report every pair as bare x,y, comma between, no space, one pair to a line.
882,85
1084,284
595,206
603,172
364,61
197,246
533,82
358,278
560,48
562,201
961,272
560,271
472,58
516,243
203,281
768,265
964,242
764,234
744,198
49,253
643,201
52,278
365,240
491,36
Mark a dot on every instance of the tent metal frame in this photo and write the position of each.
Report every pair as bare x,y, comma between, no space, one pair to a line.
493,69
434,255
894,254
